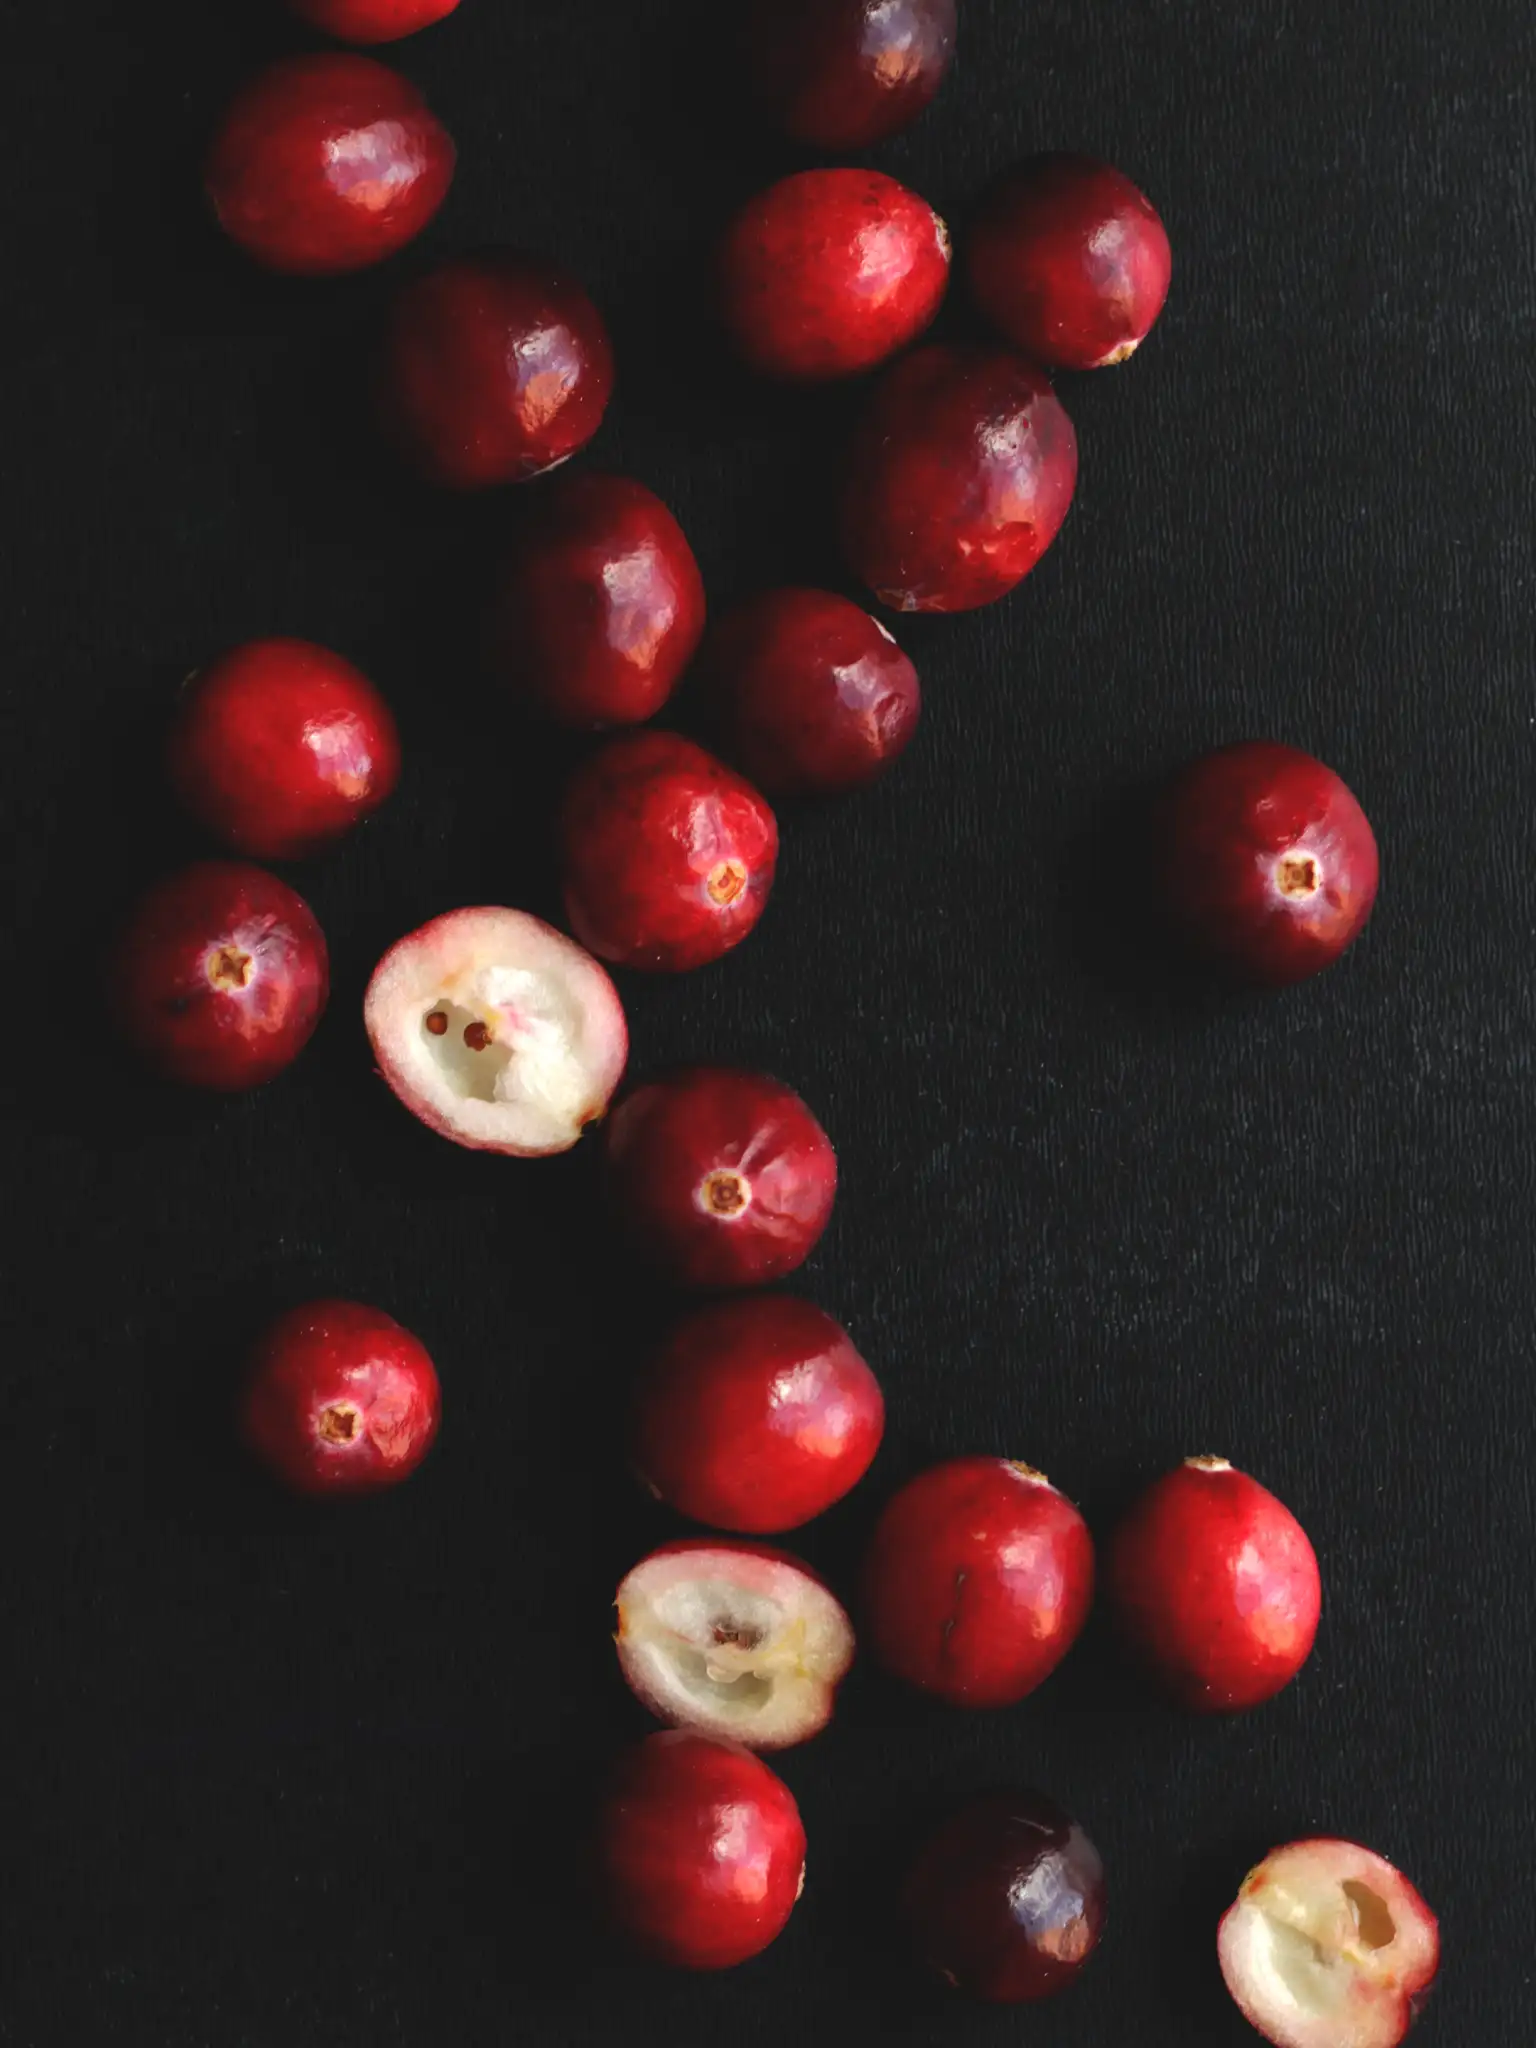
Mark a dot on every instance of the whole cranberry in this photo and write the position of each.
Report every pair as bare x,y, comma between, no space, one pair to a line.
719,1177
495,369
841,74
1266,862
340,1399
372,21
328,163
667,854
220,975
1006,1901
810,695
1069,261
279,747
602,607
978,1580
829,272
700,1851
756,1415
962,472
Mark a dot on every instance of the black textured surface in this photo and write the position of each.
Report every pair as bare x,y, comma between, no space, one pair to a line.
279,1778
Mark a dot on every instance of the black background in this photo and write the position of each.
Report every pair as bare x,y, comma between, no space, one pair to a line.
285,1778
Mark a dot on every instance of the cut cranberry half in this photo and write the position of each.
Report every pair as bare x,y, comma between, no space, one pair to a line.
842,74
372,21
497,1031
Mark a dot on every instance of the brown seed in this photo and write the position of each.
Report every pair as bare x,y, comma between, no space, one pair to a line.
437,1023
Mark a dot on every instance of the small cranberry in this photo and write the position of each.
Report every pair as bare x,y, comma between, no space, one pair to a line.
842,74
372,21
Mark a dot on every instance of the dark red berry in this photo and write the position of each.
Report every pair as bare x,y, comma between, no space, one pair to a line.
841,74
372,21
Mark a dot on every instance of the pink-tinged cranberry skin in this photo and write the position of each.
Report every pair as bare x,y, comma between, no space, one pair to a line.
340,1400
1215,1586
978,1580
667,855
961,474
809,694
219,976
829,272
700,1852
495,369
839,75
720,1178
1006,1901
755,1415
602,605
1069,261
372,21
279,747
326,164
1266,863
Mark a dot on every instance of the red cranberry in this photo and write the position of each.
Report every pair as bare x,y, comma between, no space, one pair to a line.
1267,862
701,1853
340,1400
328,163
811,695
603,605
1070,261
756,1415
668,855
978,1581
830,272
719,1177
962,473
495,369
372,21
841,74
220,976
279,747
1006,1901
1216,1586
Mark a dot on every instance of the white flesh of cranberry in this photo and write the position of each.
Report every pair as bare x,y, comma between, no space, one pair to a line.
497,1030
733,1644
1328,1946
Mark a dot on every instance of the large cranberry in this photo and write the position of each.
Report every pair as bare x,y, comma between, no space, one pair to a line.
495,369
372,21
841,74
328,163
961,475
602,606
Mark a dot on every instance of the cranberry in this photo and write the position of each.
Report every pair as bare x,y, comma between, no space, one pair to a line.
1266,861
811,695
719,1177
841,74
495,369
220,975
829,272
279,747
1070,261
603,604
962,473
668,855
340,1400
701,1853
756,1415
978,1581
328,163
372,21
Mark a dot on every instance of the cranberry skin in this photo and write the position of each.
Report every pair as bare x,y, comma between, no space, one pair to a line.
340,1399
495,369
841,74
701,1852
719,1177
1007,1900
326,164
220,976
829,272
978,1581
1069,261
1267,863
962,472
280,747
372,21
1216,1587
602,608
756,1415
